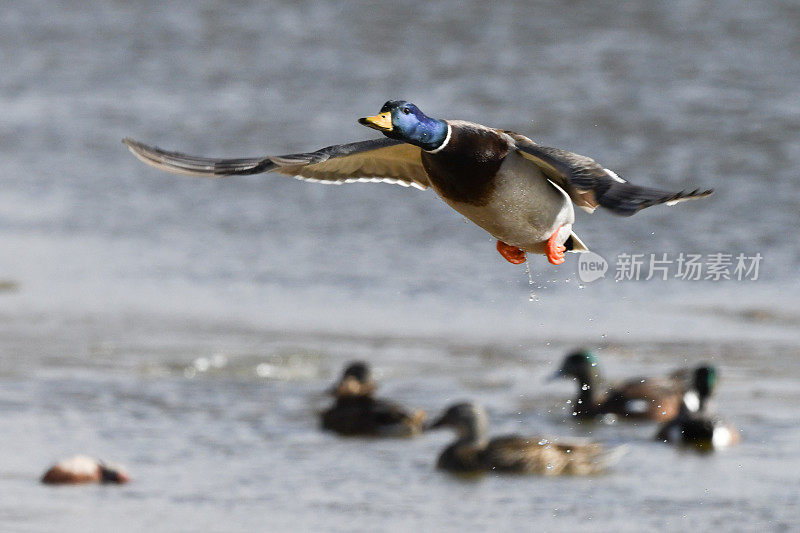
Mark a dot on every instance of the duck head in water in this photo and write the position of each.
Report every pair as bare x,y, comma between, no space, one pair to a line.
356,380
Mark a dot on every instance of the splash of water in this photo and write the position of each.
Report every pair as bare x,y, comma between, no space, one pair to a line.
532,297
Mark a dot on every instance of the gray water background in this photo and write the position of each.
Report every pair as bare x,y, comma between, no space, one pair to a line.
186,328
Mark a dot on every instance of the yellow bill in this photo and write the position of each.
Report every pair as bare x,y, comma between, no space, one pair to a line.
380,122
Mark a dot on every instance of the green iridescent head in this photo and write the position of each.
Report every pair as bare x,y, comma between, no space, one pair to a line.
705,380
581,364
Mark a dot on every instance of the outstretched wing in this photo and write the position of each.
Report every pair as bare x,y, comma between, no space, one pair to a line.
590,185
378,160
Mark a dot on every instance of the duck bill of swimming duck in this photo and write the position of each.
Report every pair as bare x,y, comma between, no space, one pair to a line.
350,386
380,122
440,422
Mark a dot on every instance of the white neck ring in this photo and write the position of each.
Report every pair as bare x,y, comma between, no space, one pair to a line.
446,140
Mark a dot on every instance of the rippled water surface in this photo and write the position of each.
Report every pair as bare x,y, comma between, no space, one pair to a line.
187,328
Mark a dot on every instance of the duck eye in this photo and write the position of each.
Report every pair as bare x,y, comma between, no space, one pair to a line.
406,110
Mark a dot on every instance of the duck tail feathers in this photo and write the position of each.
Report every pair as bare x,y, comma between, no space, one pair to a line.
574,244
610,457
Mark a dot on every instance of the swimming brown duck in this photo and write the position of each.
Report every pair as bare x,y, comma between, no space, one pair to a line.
82,469
520,192
642,398
474,452
356,412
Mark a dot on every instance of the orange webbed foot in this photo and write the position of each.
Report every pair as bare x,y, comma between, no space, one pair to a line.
555,251
512,254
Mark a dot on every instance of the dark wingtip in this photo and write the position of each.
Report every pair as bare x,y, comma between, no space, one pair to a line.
132,144
697,193
625,199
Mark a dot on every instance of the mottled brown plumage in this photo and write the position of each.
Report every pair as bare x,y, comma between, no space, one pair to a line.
473,452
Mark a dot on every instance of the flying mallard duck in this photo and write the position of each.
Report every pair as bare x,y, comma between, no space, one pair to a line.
520,192
356,412
642,398
473,452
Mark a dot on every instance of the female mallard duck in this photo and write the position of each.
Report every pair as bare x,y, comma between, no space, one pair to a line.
474,452
356,412
694,425
658,398
520,192
81,469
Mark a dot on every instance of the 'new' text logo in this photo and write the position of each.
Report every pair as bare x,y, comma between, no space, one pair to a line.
591,267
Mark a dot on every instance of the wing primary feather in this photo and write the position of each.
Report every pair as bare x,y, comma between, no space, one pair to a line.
377,160
590,185
627,199
197,166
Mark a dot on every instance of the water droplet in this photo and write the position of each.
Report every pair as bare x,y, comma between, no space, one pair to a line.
581,286
530,281
585,386
542,442
549,466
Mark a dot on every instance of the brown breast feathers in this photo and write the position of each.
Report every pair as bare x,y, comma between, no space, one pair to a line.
465,168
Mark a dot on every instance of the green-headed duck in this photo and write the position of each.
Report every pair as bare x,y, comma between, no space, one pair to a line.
520,192
642,398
